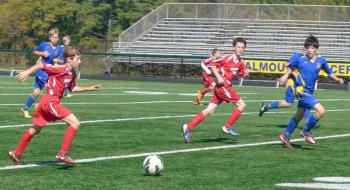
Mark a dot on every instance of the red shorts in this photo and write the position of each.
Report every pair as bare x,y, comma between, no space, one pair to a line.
226,94
49,111
207,80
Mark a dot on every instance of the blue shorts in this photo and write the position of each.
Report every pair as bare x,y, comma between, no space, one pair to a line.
290,95
306,101
41,78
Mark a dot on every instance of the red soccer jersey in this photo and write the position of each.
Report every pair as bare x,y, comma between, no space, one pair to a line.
209,60
228,68
204,65
59,79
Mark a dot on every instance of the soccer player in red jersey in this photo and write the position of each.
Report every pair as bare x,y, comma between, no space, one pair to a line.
49,108
224,70
207,77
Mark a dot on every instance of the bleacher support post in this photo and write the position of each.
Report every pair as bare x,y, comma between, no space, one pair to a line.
241,81
277,84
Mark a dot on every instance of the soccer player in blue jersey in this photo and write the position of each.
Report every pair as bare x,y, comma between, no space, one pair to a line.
309,67
49,53
66,43
290,91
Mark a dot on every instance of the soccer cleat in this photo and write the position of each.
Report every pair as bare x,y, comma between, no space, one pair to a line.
196,102
231,131
16,159
186,133
263,109
307,136
65,158
68,95
285,140
24,113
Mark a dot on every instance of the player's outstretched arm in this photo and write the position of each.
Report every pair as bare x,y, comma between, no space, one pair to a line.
339,80
22,76
41,53
95,87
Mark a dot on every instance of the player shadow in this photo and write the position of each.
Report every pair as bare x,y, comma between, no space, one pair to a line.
295,146
276,126
219,139
59,165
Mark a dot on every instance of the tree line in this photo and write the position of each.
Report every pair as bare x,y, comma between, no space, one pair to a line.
90,23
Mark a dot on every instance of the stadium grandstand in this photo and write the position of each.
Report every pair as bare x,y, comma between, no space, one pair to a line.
273,32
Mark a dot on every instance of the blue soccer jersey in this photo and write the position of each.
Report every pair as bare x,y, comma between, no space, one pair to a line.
57,52
309,71
293,60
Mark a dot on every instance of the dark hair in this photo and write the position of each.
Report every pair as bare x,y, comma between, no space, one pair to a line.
70,52
311,41
214,51
239,39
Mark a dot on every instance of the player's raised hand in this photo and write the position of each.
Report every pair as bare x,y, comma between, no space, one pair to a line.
22,76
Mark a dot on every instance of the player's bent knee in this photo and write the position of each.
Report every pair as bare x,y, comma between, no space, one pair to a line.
241,105
76,125
34,130
207,112
36,92
321,112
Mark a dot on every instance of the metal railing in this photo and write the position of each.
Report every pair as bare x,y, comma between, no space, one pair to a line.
226,11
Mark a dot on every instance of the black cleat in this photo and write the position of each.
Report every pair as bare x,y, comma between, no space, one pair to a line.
263,109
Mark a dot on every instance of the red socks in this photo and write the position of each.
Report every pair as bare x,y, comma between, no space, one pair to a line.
235,115
192,124
23,143
68,139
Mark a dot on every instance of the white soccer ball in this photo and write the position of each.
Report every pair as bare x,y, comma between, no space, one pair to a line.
153,165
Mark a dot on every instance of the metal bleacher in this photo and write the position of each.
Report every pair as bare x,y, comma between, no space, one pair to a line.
266,38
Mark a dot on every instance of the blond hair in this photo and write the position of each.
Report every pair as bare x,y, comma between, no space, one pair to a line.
53,31
66,38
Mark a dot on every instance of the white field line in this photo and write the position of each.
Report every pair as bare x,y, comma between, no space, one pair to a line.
156,117
124,94
329,186
88,160
111,103
332,179
108,88
175,101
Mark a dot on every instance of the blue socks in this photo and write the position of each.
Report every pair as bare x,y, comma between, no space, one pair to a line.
307,114
29,103
273,105
311,123
65,92
293,123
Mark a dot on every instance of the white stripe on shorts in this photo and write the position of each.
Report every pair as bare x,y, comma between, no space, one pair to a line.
227,93
53,110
